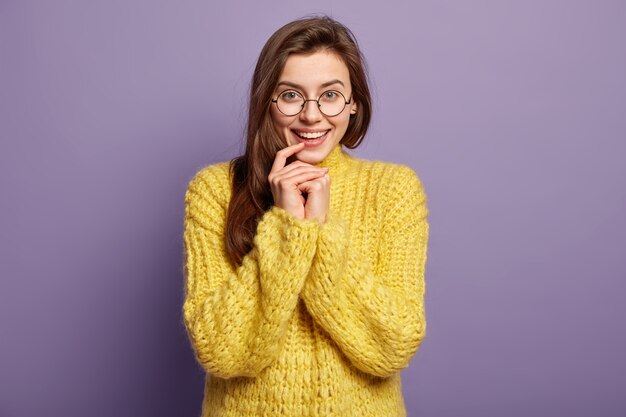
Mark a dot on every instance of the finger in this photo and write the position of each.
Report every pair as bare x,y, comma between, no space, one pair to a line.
283,154
299,178
314,184
298,167
295,164
294,168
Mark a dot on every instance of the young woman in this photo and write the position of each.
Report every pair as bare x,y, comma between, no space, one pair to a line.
305,265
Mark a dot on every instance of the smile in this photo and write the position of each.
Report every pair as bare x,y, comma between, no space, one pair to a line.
310,135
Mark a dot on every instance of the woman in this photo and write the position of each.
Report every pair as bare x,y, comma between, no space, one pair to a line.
305,265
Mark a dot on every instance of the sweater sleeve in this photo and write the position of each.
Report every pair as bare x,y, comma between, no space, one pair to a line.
236,318
375,315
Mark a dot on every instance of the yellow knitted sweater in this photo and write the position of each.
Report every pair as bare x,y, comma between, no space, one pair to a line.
320,318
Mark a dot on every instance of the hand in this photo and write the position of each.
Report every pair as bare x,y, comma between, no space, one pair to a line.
285,182
318,198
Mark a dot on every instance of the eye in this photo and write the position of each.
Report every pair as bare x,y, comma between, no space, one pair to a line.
330,95
290,96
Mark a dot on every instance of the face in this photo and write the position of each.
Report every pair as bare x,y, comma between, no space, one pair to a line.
309,76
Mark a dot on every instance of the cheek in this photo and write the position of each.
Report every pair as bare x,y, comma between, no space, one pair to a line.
343,123
278,119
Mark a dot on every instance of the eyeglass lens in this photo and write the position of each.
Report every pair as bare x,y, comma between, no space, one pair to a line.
330,103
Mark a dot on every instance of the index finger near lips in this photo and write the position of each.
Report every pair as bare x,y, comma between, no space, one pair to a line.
283,154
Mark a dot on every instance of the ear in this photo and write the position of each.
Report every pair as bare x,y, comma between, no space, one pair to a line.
353,107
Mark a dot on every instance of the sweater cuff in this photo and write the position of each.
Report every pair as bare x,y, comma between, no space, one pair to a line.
286,247
279,220
330,260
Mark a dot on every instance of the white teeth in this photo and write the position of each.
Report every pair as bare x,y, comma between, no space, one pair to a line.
312,135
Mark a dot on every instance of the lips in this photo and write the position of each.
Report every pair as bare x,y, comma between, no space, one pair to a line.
310,138
310,135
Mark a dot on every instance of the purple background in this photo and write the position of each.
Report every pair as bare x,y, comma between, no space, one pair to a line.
512,113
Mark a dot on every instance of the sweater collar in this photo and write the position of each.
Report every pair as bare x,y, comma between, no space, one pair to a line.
337,160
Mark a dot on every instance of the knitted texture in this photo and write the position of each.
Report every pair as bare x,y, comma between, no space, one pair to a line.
319,319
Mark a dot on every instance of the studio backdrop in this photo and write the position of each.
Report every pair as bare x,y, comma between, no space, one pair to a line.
512,114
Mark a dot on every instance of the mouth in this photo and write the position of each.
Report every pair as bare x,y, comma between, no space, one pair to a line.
310,138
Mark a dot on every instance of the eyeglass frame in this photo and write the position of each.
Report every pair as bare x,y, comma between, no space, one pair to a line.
319,106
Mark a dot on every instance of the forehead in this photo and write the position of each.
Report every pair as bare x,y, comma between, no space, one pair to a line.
312,70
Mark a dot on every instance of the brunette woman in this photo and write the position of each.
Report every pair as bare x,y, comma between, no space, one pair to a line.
304,264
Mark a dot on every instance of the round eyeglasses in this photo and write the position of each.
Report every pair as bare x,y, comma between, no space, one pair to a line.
330,103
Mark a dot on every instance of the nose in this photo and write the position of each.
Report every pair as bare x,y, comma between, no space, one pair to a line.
311,112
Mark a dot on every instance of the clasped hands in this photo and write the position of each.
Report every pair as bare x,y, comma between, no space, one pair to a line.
301,189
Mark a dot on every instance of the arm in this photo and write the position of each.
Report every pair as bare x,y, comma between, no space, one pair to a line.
376,317
237,318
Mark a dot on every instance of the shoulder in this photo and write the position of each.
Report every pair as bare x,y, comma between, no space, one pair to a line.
209,190
398,187
211,180
396,177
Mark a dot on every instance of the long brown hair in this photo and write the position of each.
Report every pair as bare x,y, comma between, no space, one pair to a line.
252,195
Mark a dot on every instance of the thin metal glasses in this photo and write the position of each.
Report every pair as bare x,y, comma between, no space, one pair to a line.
330,103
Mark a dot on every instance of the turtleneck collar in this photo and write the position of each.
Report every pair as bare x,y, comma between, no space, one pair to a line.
337,160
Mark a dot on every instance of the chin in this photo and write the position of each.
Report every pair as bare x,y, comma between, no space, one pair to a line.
307,157
313,156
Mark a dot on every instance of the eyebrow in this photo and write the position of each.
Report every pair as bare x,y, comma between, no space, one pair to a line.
324,85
